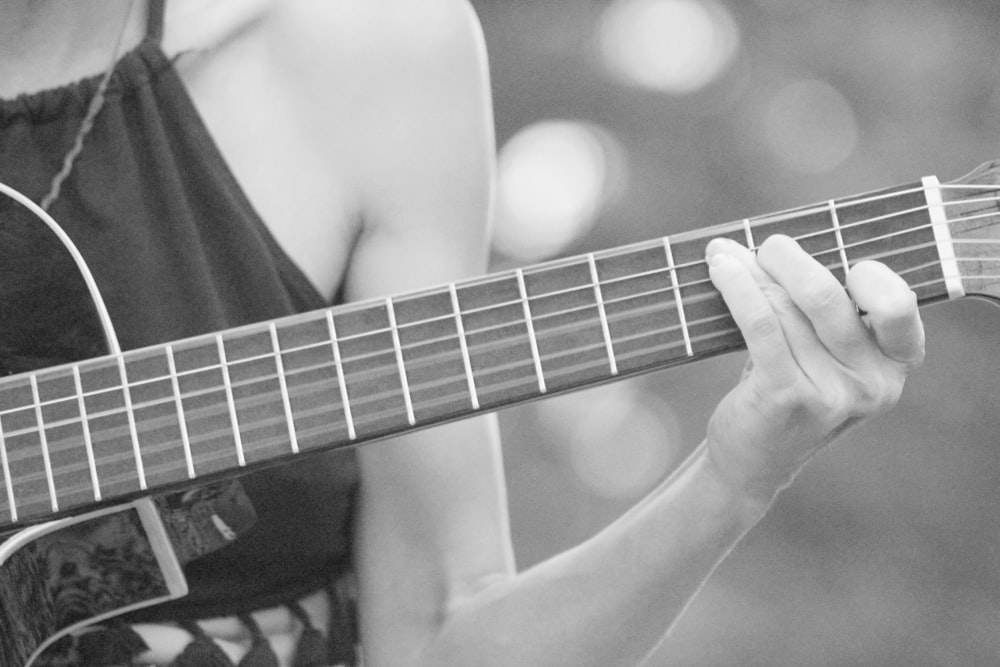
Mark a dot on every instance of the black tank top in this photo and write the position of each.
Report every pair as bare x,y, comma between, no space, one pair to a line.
177,250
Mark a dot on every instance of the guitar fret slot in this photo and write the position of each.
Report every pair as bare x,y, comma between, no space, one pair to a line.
181,419
44,443
839,235
407,399
532,340
338,363
748,230
8,482
605,327
283,383
464,345
677,296
133,431
231,401
88,441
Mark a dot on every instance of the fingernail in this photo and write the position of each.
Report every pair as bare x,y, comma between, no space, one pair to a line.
717,258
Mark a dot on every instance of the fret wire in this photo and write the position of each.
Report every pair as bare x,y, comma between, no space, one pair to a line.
883,218
812,209
844,226
464,345
809,235
531,330
283,384
410,417
622,315
605,328
237,437
884,237
677,296
88,442
339,365
839,236
749,234
668,346
130,415
181,419
697,299
5,463
921,246
117,411
591,364
942,234
43,441
877,256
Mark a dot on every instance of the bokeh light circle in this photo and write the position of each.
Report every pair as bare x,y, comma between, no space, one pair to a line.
618,440
810,126
553,178
673,46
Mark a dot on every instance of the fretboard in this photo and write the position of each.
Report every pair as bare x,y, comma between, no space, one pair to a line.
113,427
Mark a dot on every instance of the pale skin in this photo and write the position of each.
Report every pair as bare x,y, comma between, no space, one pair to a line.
370,156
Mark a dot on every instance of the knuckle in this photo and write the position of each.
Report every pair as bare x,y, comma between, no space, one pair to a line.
761,323
820,294
833,403
876,393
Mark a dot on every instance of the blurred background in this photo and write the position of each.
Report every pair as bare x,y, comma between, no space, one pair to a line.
623,120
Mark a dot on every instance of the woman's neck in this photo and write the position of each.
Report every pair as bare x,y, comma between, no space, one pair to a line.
49,43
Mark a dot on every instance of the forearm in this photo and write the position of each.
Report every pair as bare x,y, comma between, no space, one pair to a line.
611,600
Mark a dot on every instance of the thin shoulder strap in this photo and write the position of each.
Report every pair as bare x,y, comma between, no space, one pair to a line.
154,20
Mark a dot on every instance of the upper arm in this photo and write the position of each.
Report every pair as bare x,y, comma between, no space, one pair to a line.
432,523
425,166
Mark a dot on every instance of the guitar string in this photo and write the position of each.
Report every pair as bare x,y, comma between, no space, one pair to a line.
579,261
425,343
383,370
568,311
578,308
800,238
948,203
278,443
461,395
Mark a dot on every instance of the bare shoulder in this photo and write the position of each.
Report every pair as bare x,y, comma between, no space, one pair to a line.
387,28
406,82
384,47
326,32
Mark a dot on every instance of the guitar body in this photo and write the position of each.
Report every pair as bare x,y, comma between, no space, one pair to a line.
62,576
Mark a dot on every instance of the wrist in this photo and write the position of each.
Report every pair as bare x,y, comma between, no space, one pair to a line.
753,490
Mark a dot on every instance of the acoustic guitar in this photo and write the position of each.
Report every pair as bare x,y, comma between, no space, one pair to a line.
88,449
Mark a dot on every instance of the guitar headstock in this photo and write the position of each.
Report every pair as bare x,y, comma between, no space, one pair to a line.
972,206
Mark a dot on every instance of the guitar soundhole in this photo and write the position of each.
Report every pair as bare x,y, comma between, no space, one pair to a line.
98,566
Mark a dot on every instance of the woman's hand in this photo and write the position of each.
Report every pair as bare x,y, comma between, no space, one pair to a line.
816,366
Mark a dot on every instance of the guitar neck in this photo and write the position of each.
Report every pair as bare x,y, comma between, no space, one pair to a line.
114,427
